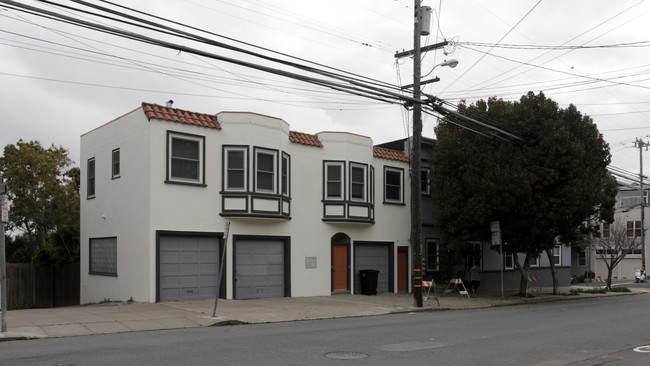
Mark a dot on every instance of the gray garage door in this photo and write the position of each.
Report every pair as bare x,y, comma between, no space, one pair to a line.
371,256
259,269
188,267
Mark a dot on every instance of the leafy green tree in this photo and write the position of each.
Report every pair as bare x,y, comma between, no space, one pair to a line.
44,200
541,188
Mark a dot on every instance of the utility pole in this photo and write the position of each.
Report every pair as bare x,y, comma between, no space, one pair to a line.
416,141
641,144
4,207
416,188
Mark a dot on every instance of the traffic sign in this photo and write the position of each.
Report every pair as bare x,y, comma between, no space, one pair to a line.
4,209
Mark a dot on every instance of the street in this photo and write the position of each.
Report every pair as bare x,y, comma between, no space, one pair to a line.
572,332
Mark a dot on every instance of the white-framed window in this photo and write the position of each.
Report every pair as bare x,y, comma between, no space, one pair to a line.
582,258
534,262
634,229
266,167
115,163
606,230
557,255
393,185
433,254
334,179
508,261
630,201
424,181
90,178
234,167
185,160
102,254
358,182
285,175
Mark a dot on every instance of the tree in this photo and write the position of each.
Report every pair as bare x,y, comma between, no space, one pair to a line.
612,247
44,200
540,189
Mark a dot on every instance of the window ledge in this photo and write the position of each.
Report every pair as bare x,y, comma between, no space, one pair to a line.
102,274
185,183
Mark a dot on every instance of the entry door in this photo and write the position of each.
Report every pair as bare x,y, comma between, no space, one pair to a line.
341,268
402,271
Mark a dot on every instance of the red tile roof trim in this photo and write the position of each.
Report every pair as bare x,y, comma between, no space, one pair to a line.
389,154
304,139
180,116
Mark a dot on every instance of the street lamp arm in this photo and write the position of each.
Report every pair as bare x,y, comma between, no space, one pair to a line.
450,63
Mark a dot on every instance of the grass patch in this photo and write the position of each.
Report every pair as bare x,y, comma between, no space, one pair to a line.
578,291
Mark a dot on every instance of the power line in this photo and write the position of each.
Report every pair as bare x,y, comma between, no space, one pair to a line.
359,86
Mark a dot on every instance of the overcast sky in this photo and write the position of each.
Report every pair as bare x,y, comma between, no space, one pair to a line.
60,81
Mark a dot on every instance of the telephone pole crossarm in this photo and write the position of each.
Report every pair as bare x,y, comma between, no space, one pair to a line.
421,49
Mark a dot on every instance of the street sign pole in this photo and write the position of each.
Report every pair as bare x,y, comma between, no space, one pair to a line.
495,228
221,267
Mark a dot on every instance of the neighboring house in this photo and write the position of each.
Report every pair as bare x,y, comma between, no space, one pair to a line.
430,233
452,265
306,212
628,213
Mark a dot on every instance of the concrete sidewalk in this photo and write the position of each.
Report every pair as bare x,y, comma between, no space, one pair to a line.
132,317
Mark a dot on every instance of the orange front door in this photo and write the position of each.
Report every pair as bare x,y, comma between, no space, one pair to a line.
340,265
402,272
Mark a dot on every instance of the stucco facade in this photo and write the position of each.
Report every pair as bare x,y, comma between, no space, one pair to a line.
282,195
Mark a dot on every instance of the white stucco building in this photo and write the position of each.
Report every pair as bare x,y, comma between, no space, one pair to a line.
307,212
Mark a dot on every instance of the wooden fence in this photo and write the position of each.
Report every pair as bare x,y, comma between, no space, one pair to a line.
30,285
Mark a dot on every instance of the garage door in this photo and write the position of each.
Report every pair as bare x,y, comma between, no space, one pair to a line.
259,269
188,267
372,256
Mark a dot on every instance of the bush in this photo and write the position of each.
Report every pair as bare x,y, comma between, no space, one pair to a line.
619,289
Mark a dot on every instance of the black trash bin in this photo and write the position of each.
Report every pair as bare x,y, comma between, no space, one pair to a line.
368,279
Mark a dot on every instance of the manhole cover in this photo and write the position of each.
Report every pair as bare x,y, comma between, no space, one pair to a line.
346,355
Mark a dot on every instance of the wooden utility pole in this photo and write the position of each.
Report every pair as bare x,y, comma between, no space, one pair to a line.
641,144
416,152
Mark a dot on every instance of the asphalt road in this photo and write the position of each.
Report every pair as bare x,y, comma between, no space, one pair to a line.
575,332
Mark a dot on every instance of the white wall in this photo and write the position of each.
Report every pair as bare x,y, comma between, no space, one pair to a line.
119,209
155,205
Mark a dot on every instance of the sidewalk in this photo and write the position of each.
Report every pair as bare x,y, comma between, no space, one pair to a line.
133,317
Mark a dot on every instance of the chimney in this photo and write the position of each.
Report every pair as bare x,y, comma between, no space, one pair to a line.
169,103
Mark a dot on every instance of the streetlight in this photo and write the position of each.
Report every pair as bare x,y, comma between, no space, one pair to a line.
449,63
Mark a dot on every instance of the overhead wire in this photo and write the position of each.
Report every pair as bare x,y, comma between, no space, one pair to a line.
350,85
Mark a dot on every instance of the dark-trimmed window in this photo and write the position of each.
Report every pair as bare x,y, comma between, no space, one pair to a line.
235,163
115,163
265,171
358,182
393,183
103,256
90,178
285,174
334,180
185,161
